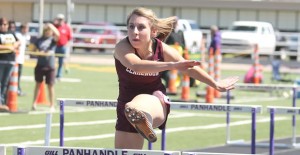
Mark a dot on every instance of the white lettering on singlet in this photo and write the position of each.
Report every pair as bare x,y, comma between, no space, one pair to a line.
141,74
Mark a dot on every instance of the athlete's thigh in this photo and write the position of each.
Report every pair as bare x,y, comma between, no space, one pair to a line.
128,140
151,105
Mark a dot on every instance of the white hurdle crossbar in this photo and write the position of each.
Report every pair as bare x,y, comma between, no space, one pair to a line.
282,110
262,87
41,150
209,153
253,109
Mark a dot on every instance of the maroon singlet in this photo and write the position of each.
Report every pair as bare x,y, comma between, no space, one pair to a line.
132,84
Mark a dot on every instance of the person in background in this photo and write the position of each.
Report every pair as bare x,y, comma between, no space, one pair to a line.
24,38
139,60
12,26
65,32
9,43
175,37
215,42
45,67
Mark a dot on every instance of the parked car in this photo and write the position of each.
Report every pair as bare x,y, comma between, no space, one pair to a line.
100,35
287,44
243,35
192,34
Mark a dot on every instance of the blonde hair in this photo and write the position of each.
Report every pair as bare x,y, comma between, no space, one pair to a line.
164,26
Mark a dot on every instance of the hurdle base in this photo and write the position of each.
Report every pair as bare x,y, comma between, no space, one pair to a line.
296,145
235,142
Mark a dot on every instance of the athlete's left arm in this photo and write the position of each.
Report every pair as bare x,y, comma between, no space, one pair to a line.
170,54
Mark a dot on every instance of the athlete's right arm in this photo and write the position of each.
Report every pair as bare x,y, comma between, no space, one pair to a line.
125,53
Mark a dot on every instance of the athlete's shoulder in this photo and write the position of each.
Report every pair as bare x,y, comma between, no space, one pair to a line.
123,45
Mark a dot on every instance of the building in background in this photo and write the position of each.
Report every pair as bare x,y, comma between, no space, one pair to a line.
283,14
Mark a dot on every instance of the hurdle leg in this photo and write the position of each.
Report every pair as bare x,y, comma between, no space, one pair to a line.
149,146
272,124
163,139
228,118
48,129
253,133
294,141
21,151
61,132
2,150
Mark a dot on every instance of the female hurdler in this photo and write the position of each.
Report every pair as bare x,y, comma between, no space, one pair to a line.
139,59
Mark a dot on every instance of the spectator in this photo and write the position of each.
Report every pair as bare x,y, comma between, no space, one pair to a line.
175,37
8,45
139,59
45,66
65,36
276,62
215,38
250,75
12,26
24,39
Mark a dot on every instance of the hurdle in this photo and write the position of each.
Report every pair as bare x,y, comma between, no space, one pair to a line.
282,110
253,109
2,150
261,87
40,150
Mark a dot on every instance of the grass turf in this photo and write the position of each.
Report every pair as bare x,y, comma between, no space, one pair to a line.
100,82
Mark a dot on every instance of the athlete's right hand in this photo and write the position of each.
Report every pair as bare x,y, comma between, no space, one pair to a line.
186,64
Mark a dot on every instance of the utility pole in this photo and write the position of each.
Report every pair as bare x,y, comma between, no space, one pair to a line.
41,17
70,8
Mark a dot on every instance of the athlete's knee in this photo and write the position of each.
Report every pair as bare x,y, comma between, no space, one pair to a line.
162,97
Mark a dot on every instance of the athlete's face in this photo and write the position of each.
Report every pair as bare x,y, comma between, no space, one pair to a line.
139,31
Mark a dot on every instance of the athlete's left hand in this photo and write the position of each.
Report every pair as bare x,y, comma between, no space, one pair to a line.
227,84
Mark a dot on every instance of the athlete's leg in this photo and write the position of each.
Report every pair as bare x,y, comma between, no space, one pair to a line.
146,112
155,111
36,91
128,140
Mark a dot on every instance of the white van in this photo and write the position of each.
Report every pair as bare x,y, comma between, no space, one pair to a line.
243,35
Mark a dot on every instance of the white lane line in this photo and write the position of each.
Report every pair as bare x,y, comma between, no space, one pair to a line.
169,130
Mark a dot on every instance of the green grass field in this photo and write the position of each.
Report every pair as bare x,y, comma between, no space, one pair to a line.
86,127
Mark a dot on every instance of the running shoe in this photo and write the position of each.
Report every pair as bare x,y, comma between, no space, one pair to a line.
139,120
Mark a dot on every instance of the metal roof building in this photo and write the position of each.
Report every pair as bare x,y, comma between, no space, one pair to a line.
283,14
